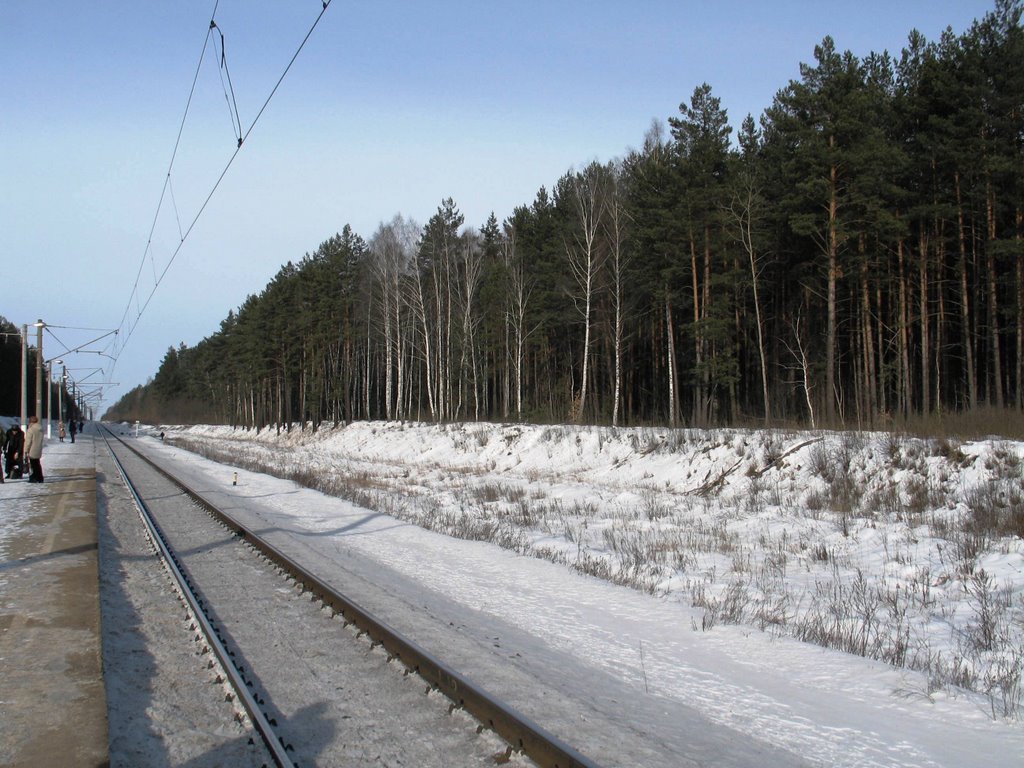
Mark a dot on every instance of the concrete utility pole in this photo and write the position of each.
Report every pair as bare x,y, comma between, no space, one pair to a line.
60,390
49,392
39,369
24,377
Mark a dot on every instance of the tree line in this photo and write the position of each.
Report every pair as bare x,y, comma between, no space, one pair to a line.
853,256
12,381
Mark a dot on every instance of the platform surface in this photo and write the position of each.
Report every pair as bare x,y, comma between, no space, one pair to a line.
53,708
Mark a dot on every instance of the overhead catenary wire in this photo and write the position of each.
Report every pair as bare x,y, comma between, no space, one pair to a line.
177,216
67,349
229,89
241,138
76,328
170,166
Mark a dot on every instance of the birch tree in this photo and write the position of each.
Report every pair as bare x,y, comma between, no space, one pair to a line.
747,212
586,254
616,224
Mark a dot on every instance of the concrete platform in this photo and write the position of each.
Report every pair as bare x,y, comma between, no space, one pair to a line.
53,709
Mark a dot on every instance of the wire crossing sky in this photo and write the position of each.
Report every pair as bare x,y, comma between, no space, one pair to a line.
390,108
128,325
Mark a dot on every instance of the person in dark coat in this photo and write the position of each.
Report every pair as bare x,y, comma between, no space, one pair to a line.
14,448
73,430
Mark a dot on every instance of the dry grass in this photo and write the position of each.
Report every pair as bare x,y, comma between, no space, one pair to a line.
696,541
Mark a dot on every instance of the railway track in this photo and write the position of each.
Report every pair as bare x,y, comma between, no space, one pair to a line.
322,680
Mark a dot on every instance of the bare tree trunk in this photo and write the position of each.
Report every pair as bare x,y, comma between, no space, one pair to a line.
303,385
280,402
518,300
833,277
904,324
924,321
387,263
706,343
472,272
965,303
398,345
619,262
698,344
993,297
1019,268
586,259
390,316
744,209
419,308
870,375
883,394
804,364
367,364
940,320
448,412
435,363
673,409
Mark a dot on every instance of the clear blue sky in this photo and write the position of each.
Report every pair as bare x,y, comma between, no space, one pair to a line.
391,107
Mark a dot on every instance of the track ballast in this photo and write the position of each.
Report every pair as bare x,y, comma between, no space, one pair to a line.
322,679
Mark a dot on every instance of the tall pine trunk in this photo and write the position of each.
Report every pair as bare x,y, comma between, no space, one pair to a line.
924,320
965,301
993,296
833,278
698,345
905,389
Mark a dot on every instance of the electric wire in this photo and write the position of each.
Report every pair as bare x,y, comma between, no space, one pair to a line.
76,328
236,120
177,216
67,349
170,166
140,310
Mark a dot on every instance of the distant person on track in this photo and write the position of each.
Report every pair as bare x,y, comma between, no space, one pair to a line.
73,430
61,432
34,449
14,445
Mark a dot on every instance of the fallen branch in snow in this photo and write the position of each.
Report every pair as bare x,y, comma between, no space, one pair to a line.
705,490
775,462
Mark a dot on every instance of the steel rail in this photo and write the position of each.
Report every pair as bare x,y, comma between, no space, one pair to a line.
517,730
234,676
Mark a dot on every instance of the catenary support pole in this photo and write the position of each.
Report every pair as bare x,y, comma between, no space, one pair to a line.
24,377
49,416
39,369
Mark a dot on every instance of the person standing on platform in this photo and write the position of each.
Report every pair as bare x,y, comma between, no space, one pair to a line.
73,430
14,446
34,449
6,455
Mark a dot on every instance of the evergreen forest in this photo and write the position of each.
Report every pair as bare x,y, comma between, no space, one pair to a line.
855,256
56,401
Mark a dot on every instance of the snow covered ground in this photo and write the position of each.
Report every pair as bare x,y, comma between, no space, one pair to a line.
684,566
855,598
